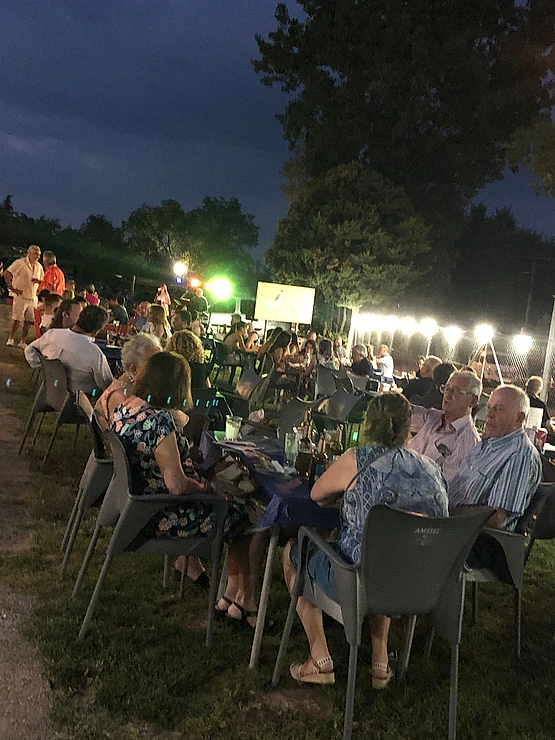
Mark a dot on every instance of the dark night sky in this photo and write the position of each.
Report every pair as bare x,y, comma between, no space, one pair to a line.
108,104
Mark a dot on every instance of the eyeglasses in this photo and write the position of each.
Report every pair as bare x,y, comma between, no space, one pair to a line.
454,390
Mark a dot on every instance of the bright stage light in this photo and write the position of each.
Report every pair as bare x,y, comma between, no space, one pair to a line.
194,282
220,288
428,327
522,343
408,325
452,334
391,323
484,333
179,268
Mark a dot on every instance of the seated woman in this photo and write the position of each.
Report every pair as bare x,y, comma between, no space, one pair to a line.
140,318
157,323
235,342
326,356
402,479
134,354
155,449
189,346
339,351
261,352
252,338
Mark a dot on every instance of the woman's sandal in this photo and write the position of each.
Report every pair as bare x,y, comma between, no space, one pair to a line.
245,615
221,613
381,682
319,676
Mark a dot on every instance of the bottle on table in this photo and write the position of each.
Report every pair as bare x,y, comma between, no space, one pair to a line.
305,451
320,462
336,446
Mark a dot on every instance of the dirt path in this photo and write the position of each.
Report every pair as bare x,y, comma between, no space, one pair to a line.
25,695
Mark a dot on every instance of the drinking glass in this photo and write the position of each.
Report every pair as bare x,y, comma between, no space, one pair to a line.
232,427
290,448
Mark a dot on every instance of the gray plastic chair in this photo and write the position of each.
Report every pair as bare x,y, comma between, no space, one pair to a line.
129,514
53,397
511,550
410,566
325,382
94,481
239,401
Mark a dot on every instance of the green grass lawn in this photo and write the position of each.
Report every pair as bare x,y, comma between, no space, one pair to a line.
143,672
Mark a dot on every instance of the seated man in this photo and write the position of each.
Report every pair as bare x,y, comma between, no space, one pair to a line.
505,469
534,387
447,436
433,399
425,383
86,366
181,320
360,364
119,312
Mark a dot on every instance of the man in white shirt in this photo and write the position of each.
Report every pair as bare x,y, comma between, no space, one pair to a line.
23,278
385,363
86,366
447,436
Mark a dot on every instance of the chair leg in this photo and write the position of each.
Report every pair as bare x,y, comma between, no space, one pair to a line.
94,598
429,644
26,432
223,578
404,662
286,631
518,621
71,541
182,579
37,430
264,596
49,448
166,577
474,592
71,519
212,594
77,427
453,691
350,698
86,560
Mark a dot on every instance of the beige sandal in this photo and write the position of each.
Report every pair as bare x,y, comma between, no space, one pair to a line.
318,676
380,682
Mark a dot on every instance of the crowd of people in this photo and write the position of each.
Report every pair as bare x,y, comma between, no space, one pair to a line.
421,453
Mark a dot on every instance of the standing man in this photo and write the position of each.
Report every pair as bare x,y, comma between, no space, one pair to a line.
53,279
23,278
385,363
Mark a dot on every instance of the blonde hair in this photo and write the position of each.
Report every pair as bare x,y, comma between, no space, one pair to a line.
157,315
387,421
187,344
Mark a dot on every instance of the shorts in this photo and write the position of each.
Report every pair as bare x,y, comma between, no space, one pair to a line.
23,309
319,569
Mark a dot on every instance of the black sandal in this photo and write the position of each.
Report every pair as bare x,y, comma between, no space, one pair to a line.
220,613
244,615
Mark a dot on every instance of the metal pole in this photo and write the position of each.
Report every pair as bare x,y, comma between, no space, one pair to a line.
502,382
548,358
530,292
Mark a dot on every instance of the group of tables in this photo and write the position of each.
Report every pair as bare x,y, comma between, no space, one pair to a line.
286,498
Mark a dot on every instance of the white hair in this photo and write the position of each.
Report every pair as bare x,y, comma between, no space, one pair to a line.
138,350
522,400
473,382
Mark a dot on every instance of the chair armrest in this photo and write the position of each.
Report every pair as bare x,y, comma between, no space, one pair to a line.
513,548
307,533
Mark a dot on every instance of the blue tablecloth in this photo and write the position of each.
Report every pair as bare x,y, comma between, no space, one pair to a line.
286,497
113,354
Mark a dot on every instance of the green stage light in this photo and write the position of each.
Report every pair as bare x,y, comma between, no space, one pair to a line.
220,288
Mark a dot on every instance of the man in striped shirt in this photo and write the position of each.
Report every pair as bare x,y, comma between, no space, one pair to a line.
447,436
504,470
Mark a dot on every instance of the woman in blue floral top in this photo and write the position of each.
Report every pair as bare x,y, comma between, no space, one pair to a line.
386,473
150,425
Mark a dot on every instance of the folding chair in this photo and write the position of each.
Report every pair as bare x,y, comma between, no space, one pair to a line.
53,397
247,385
223,358
129,514
510,552
94,481
410,566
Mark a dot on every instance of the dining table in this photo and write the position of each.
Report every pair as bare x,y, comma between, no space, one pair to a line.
284,495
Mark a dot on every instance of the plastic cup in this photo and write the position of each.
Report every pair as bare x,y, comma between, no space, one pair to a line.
232,427
291,447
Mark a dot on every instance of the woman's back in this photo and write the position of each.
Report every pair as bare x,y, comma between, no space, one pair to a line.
395,476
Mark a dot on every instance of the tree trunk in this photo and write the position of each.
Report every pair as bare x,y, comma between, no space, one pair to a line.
351,338
343,319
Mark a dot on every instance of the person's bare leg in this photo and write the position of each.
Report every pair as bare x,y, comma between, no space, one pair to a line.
14,327
379,631
311,618
194,567
25,330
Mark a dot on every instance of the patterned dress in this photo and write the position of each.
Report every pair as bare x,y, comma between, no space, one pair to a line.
399,478
141,431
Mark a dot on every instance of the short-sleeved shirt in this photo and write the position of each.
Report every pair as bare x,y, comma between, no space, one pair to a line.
537,403
385,365
502,472
401,478
119,314
23,273
53,280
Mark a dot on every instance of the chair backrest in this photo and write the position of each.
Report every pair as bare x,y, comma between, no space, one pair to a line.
341,404
55,382
407,560
87,410
220,352
343,381
291,415
120,489
248,383
539,521
325,382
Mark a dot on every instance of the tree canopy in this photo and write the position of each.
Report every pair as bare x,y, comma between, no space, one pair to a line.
428,93
353,235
